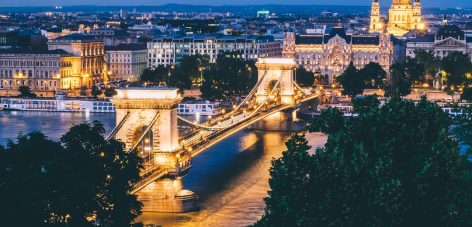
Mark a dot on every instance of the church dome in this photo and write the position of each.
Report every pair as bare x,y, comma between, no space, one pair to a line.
401,2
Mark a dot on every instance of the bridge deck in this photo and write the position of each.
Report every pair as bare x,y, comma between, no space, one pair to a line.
219,129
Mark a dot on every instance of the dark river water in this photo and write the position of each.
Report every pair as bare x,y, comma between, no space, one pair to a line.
231,177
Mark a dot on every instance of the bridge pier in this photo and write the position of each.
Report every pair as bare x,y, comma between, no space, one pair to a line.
168,196
280,121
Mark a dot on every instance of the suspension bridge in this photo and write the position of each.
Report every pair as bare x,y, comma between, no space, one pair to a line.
147,121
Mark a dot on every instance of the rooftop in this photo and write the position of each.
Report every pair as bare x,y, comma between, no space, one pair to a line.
28,51
203,37
127,47
80,38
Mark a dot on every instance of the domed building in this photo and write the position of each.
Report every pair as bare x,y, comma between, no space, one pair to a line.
403,17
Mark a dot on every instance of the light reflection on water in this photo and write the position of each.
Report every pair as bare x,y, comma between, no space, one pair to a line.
231,177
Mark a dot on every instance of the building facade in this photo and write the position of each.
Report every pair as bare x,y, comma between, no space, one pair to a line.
88,64
448,39
39,70
170,50
126,61
332,53
403,17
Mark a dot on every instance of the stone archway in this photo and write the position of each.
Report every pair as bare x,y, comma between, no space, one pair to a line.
145,147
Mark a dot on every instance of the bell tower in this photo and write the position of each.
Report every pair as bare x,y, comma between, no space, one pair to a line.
375,24
417,21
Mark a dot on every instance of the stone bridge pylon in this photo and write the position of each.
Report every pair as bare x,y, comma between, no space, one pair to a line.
276,71
146,121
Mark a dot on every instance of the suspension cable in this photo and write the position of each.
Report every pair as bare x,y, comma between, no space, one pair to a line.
213,128
118,127
299,88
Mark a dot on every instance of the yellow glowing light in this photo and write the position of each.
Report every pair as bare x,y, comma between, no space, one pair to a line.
102,154
422,26
380,26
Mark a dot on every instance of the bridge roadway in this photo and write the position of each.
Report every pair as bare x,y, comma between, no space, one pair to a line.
202,139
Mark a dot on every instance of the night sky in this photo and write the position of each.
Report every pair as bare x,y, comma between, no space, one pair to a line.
426,3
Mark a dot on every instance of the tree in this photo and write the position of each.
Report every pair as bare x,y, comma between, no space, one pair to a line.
111,172
467,94
303,77
365,104
289,182
25,92
395,165
456,65
400,85
83,90
110,92
28,177
189,71
157,75
414,71
373,74
96,91
351,81
228,77
429,61
83,180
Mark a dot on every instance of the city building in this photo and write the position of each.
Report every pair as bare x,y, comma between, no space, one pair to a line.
126,61
88,64
402,17
332,53
40,70
169,50
450,38
263,13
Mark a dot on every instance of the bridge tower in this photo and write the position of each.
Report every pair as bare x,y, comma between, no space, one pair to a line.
146,120
270,71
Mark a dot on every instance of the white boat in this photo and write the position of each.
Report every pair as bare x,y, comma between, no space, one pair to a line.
199,108
57,105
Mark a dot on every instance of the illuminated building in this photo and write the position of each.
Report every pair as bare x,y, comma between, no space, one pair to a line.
126,61
170,50
403,17
37,69
332,53
88,64
448,39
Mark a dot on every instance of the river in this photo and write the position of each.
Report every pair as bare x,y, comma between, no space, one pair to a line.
231,177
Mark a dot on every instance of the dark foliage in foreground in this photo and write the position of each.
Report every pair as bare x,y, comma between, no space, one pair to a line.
395,165
83,180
